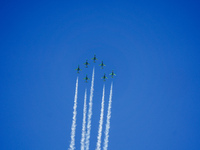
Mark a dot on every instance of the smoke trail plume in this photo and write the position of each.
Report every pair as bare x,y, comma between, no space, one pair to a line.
84,122
87,143
108,120
73,129
98,146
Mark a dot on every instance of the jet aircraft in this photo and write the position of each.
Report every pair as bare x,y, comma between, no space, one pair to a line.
112,74
102,65
86,78
86,64
94,58
78,69
104,77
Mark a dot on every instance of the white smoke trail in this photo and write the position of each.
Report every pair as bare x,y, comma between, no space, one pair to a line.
73,129
87,142
98,146
108,120
84,122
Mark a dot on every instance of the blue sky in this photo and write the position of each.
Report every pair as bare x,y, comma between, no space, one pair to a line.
153,46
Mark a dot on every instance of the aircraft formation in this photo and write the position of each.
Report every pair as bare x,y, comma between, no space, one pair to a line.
102,65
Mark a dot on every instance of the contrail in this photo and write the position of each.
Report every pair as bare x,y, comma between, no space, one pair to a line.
84,122
73,129
98,146
87,142
108,120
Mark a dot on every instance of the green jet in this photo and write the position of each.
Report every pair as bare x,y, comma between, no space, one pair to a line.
86,78
112,74
102,65
104,77
86,64
78,69
94,58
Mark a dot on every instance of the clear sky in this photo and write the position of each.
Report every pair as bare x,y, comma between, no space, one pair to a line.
153,47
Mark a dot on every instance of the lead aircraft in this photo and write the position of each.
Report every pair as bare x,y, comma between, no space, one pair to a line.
94,58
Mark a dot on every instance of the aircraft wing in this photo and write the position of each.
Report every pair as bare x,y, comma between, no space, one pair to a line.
78,69
102,65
